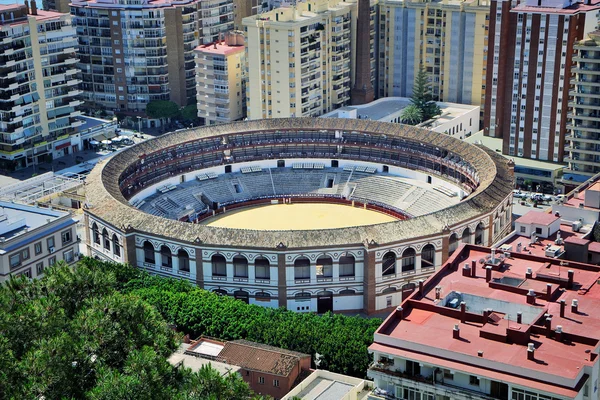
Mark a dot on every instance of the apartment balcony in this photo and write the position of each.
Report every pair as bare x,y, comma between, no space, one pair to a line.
581,161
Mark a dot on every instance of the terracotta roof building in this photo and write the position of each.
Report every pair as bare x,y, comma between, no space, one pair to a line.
493,325
268,370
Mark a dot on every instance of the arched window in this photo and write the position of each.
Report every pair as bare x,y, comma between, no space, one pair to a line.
219,265
166,257
220,292
116,246
105,239
390,289
96,233
302,268
242,295
408,260
149,253
347,264
184,260
347,292
428,257
264,296
388,265
302,296
262,268
240,267
324,267
453,244
479,231
466,236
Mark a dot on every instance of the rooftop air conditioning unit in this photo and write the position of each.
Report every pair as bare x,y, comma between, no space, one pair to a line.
51,249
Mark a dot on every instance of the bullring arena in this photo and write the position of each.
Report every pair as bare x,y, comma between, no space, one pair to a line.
310,214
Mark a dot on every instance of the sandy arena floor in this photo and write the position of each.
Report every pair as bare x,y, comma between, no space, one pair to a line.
307,216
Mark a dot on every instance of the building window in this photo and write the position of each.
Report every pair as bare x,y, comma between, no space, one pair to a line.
68,256
240,267
25,254
219,265
262,268
261,380
184,260
408,260
15,260
116,247
66,237
347,264
523,229
105,239
302,268
149,253
37,248
388,266
538,231
39,268
276,382
428,256
51,261
324,267
50,244
473,380
96,233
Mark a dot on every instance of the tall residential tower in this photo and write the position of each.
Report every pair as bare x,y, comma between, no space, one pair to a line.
38,85
530,48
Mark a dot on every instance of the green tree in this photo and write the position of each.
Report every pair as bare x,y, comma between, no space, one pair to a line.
422,97
78,334
411,115
190,113
162,109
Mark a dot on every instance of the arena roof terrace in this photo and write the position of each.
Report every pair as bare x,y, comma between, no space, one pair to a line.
107,203
487,334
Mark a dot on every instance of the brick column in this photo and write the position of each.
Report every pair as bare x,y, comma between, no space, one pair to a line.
445,246
129,250
281,280
199,268
369,304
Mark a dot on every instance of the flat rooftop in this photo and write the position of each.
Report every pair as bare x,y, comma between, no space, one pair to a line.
183,357
18,219
382,108
219,48
325,385
495,144
423,329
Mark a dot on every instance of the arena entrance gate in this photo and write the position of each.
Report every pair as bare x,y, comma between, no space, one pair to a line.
324,302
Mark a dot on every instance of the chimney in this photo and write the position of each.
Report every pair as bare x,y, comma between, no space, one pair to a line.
480,353
215,45
463,311
575,306
456,332
438,292
549,326
466,270
400,313
531,296
529,273
563,305
519,317
363,92
571,274
33,7
531,351
26,2
488,273
421,286
559,333
549,290
473,269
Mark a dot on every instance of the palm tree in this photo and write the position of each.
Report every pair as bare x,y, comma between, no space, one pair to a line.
411,115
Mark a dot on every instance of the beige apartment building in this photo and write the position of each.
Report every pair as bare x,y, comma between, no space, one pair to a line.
300,59
447,37
33,239
220,79
38,85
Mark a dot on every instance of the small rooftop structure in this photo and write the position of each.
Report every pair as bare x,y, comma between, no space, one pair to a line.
325,385
261,357
18,219
195,363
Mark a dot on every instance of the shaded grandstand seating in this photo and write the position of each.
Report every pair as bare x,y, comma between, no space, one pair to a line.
388,191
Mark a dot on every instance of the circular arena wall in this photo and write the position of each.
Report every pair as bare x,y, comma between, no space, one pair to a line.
368,268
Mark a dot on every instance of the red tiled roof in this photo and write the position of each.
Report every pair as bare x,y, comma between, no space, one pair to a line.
537,217
594,247
576,240
260,357
425,324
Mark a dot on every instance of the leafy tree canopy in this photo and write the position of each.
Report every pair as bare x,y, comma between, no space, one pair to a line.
190,113
411,115
160,109
422,97
75,335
